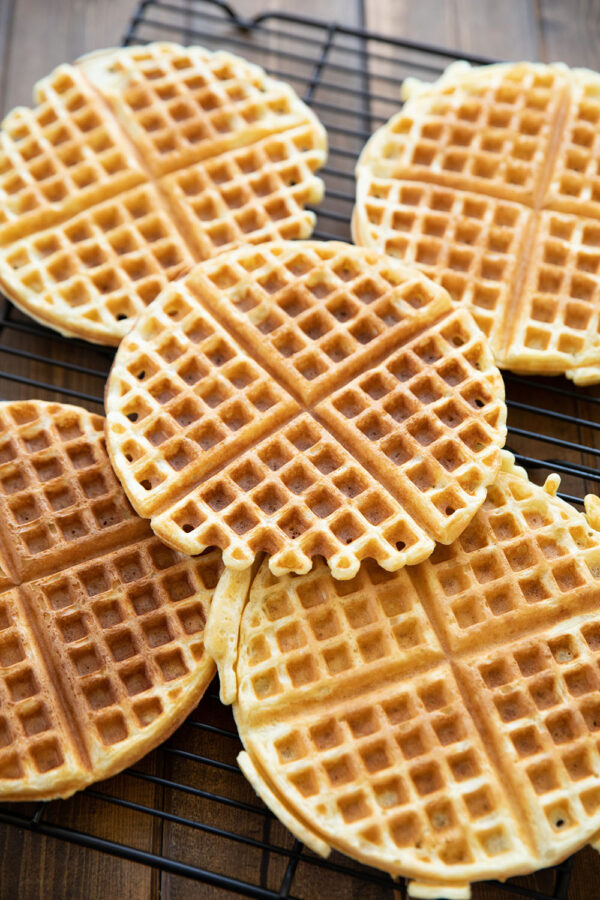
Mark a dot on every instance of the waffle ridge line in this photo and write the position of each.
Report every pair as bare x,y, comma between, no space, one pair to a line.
185,487
344,378
156,182
474,704
363,460
112,190
299,221
61,686
510,320
489,748
355,684
488,745
523,342
553,147
228,454
242,340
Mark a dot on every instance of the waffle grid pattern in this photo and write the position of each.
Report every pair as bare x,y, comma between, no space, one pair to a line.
32,724
156,92
466,242
96,610
56,489
255,194
144,611
104,266
239,167
300,320
445,762
540,699
514,143
60,157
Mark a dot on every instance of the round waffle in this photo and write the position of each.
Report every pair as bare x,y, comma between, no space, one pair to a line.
440,722
488,181
101,625
305,399
134,164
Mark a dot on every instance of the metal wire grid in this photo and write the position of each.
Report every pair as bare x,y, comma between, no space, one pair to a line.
186,809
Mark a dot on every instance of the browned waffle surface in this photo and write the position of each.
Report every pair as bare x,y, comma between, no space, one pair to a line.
134,164
439,722
101,625
305,399
487,180
180,105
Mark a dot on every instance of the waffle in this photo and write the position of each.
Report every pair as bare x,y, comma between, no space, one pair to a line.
178,105
305,399
439,722
101,625
135,164
488,181
93,274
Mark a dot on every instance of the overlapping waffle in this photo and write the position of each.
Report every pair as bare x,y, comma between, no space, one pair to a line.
101,625
305,399
489,181
134,164
440,722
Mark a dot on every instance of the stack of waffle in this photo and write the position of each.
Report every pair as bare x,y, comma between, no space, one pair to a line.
405,625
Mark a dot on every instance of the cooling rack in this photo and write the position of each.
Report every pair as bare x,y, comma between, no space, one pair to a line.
186,809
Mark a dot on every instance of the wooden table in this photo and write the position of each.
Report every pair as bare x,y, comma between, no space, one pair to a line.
35,35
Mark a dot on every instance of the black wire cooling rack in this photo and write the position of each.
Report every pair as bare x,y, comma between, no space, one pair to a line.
186,810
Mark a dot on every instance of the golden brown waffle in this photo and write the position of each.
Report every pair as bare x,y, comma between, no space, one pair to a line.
135,164
101,625
179,105
487,180
94,273
465,241
305,399
60,157
440,722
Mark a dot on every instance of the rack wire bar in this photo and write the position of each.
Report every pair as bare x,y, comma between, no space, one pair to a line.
211,826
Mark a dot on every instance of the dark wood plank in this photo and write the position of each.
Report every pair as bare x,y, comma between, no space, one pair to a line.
485,27
570,32
35,868
6,16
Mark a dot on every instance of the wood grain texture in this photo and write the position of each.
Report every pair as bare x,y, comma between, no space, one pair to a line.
36,35
43,35
570,31
486,27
